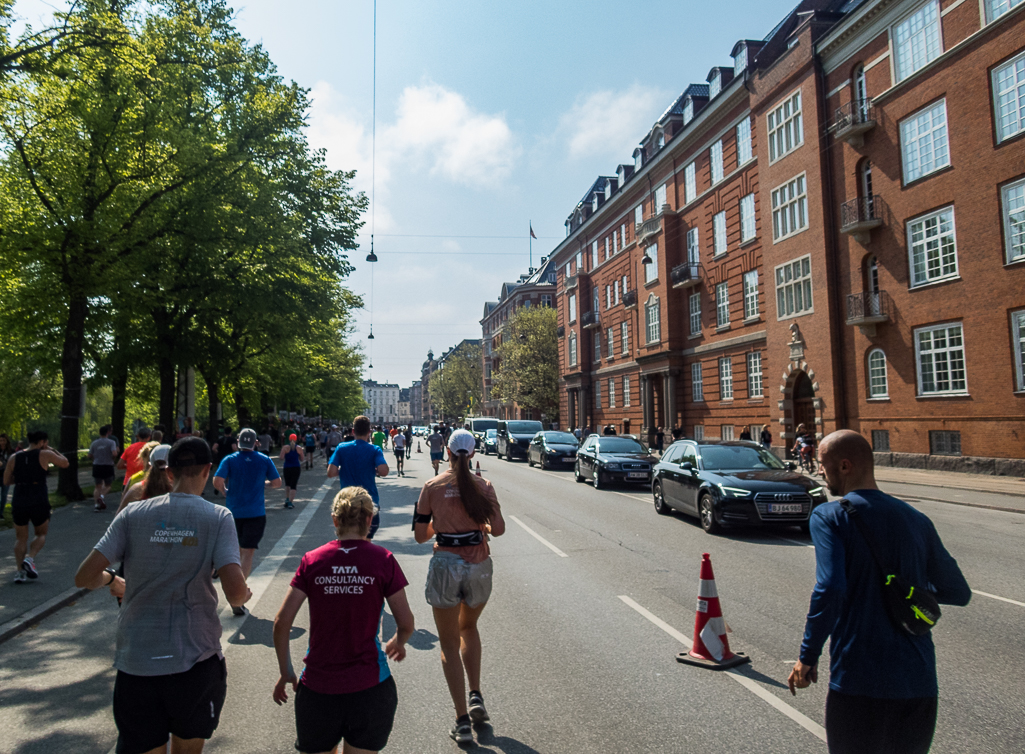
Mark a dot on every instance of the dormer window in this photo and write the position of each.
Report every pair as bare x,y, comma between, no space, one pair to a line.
661,140
714,84
608,190
740,61
594,202
638,158
688,112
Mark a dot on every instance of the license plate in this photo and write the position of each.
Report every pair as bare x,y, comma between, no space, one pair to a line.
638,475
568,459
786,508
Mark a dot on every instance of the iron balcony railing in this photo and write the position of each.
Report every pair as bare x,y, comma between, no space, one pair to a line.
860,214
630,299
560,331
853,120
683,275
867,308
590,319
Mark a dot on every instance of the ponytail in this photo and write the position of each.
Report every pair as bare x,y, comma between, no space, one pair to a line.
475,503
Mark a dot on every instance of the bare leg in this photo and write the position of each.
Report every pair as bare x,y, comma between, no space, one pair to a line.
20,544
187,745
447,622
469,643
39,540
247,560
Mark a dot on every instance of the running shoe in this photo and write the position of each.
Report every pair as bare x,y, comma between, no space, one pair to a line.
100,506
290,505
238,610
461,732
20,577
29,567
478,712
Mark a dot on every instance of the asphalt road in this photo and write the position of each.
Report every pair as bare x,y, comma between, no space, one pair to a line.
594,596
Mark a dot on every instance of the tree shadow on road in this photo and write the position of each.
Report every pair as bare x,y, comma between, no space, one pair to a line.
260,631
60,740
486,738
421,639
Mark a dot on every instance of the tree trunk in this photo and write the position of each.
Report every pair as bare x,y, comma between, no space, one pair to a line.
240,410
168,395
119,390
71,376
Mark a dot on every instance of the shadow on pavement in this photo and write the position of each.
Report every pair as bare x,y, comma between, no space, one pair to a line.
60,740
421,639
486,738
260,631
748,672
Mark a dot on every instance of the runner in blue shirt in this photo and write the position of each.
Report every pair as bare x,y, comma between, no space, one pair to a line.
358,464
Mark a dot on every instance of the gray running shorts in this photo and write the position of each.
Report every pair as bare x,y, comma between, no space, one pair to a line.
451,580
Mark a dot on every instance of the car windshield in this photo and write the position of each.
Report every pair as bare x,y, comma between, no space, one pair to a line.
491,433
524,428
479,425
560,438
619,445
722,457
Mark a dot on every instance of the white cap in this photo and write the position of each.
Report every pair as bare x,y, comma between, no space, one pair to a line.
159,454
461,441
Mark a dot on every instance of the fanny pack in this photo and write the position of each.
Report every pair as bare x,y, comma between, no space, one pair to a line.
462,539
913,610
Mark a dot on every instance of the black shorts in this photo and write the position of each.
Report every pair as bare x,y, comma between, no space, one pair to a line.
103,472
363,718
250,531
400,453
311,449
32,506
856,724
291,475
149,709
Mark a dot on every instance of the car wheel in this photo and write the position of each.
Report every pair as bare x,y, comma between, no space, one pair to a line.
508,457
576,472
541,462
707,511
660,504
599,483
530,460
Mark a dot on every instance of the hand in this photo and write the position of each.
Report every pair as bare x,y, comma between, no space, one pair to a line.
395,650
802,676
117,587
280,694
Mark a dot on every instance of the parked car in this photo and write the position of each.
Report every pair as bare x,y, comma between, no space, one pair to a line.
733,483
490,441
552,450
608,459
514,438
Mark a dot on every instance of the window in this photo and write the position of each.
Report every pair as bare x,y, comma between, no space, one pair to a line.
750,294
580,261
546,300
612,393
932,247
697,387
651,270
916,40
688,112
638,159
722,305
690,183
714,84
661,140
785,128
699,431
693,248
597,394
609,346
941,364
652,320
596,342
660,199
745,151
793,288
923,142
639,214
596,302
572,349
726,432
747,218
608,296
622,238
626,392
881,440
789,209
615,293
740,62
695,314
996,8
719,233
1009,90
594,253
725,379
754,376
626,285
624,337
877,383
944,443
715,156
572,308
1018,330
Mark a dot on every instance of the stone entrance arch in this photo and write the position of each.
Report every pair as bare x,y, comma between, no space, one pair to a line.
801,403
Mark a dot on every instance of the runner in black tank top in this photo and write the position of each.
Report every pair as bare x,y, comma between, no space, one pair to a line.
31,500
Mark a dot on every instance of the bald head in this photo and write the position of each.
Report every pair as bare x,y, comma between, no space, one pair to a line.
848,444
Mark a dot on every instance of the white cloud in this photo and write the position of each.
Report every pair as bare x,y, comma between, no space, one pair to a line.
607,123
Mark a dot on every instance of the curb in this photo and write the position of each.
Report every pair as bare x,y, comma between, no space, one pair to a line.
26,620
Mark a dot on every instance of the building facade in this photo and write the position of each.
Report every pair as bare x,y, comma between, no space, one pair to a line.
382,401
426,412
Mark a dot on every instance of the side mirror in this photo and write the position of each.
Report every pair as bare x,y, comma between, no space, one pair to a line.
687,466
791,465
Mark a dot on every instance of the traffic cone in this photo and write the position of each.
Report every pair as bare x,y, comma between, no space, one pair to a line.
418,447
711,648
478,468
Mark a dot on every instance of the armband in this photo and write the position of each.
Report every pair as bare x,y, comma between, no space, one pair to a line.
422,518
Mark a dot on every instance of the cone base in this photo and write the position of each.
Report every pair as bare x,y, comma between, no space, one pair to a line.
700,662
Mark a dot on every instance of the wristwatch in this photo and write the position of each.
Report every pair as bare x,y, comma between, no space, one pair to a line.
113,575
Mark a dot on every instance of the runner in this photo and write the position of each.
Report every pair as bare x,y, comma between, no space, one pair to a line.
436,444
408,434
333,438
130,458
27,470
265,442
464,509
398,443
144,459
242,477
347,435
171,676
346,691
358,464
153,482
322,437
103,453
293,456
224,447
6,451
311,447
380,439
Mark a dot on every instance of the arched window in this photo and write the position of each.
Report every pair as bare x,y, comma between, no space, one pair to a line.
860,94
878,386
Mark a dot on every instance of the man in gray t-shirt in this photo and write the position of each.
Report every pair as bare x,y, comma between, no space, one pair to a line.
171,678
104,453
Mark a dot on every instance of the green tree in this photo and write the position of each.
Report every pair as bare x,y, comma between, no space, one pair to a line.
528,371
458,382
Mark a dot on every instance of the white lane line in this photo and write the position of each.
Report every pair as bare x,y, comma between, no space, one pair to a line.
794,541
995,597
803,720
539,538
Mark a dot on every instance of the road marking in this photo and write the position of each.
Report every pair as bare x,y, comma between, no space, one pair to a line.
803,720
539,538
794,541
995,597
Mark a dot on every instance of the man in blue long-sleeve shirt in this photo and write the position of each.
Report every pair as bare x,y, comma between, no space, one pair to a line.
882,681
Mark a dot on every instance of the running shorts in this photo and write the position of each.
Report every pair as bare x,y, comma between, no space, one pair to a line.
311,449
451,580
250,531
363,718
31,506
291,474
103,472
439,456
400,453
148,709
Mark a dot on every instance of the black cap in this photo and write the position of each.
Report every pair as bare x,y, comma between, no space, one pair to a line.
189,451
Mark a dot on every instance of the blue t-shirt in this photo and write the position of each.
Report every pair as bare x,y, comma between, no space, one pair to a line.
246,472
357,463
868,655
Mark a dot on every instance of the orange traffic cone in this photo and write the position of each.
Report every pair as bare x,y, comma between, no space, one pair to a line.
418,447
478,468
711,647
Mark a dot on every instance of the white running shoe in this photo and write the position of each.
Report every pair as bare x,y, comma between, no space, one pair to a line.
29,567
20,577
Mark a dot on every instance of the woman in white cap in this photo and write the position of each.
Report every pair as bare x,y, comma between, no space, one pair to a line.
154,481
460,510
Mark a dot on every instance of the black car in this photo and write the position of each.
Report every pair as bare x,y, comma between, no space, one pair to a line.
608,459
490,441
552,450
514,437
733,483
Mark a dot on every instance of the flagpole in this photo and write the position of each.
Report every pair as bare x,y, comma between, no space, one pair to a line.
530,239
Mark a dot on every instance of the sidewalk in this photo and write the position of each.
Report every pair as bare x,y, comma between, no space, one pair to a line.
1002,485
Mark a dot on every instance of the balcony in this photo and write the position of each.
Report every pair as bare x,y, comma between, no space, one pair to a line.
859,216
630,299
571,282
853,121
560,331
685,275
648,228
590,320
866,310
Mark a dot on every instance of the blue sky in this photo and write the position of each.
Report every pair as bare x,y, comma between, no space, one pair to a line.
489,116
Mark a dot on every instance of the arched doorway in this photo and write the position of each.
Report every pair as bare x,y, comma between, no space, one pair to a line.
803,397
